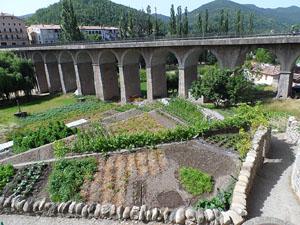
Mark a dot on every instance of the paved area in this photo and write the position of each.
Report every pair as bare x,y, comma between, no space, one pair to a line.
272,195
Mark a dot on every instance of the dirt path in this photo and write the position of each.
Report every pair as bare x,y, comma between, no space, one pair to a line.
272,195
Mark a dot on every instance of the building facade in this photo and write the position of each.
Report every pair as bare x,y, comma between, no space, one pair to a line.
47,34
12,30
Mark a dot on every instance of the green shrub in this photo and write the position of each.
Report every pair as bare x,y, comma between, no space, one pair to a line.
6,173
43,135
143,76
194,181
68,176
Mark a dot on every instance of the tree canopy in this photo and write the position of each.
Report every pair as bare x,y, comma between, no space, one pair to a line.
16,75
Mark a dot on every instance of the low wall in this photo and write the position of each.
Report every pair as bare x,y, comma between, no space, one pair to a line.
293,136
37,154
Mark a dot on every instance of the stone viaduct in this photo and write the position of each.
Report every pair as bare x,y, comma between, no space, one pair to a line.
92,68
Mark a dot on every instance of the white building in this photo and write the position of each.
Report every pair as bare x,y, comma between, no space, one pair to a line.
45,34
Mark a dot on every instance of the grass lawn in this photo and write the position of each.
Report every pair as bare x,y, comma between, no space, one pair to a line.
38,104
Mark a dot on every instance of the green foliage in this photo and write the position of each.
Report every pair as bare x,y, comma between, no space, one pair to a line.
43,135
223,87
172,81
185,23
172,23
16,74
6,173
143,75
68,176
69,27
221,202
262,55
194,181
185,110
125,108
27,178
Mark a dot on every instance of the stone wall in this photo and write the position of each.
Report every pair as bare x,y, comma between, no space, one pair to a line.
293,136
183,215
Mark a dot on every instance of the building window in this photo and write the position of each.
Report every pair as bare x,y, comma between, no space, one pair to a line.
1,37
14,24
6,37
13,43
19,24
21,30
12,36
4,29
23,43
3,24
8,24
16,29
3,43
10,30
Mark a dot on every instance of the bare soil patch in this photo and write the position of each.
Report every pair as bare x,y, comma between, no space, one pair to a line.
151,176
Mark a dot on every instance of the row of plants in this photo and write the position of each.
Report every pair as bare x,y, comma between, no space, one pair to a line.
97,142
43,135
225,141
6,174
68,176
183,109
26,179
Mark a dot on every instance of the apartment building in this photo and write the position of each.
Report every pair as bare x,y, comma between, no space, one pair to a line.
46,34
12,30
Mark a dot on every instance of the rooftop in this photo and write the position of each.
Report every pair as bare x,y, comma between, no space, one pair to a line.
49,27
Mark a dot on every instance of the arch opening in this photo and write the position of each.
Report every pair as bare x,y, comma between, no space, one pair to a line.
39,66
53,72
68,72
109,73
86,74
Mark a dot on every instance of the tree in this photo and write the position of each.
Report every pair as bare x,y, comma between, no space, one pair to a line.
221,22
185,29
206,22
242,28
199,24
250,25
69,28
263,56
226,23
223,87
149,21
156,25
123,26
179,23
131,28
172,23
237,26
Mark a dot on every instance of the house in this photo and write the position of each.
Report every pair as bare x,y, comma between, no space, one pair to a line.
12,30
266,74
45,34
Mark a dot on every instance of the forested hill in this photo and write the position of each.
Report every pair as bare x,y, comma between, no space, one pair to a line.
279,19
89,12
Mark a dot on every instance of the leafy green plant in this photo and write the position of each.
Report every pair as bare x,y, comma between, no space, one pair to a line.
6,173
125,108
194,181
68,176
43,135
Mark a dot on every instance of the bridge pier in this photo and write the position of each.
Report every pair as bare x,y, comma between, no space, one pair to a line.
108,82
187,75
129,82
285,84
67,74
41,77
156,82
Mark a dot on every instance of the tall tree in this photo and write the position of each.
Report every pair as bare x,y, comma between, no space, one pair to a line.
131,28
149,21
179,23
123,25
156,25
221,21
69,27
185,29
242,29
199,24
237,25
206,22
172,20
226,23
250,25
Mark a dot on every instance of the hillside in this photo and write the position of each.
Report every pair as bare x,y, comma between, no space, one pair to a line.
89,12
279,19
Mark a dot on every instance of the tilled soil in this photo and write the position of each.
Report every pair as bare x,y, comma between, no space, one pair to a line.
151,176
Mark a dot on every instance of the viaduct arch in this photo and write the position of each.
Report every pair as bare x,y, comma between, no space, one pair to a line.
92,68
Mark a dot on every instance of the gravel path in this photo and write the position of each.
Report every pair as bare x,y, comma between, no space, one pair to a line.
31,220
272,195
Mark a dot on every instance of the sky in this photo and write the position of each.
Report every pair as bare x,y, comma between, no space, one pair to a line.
23,7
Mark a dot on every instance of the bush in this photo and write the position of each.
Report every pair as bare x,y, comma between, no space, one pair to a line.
194,181
6,174
223,87
68,176
43,135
